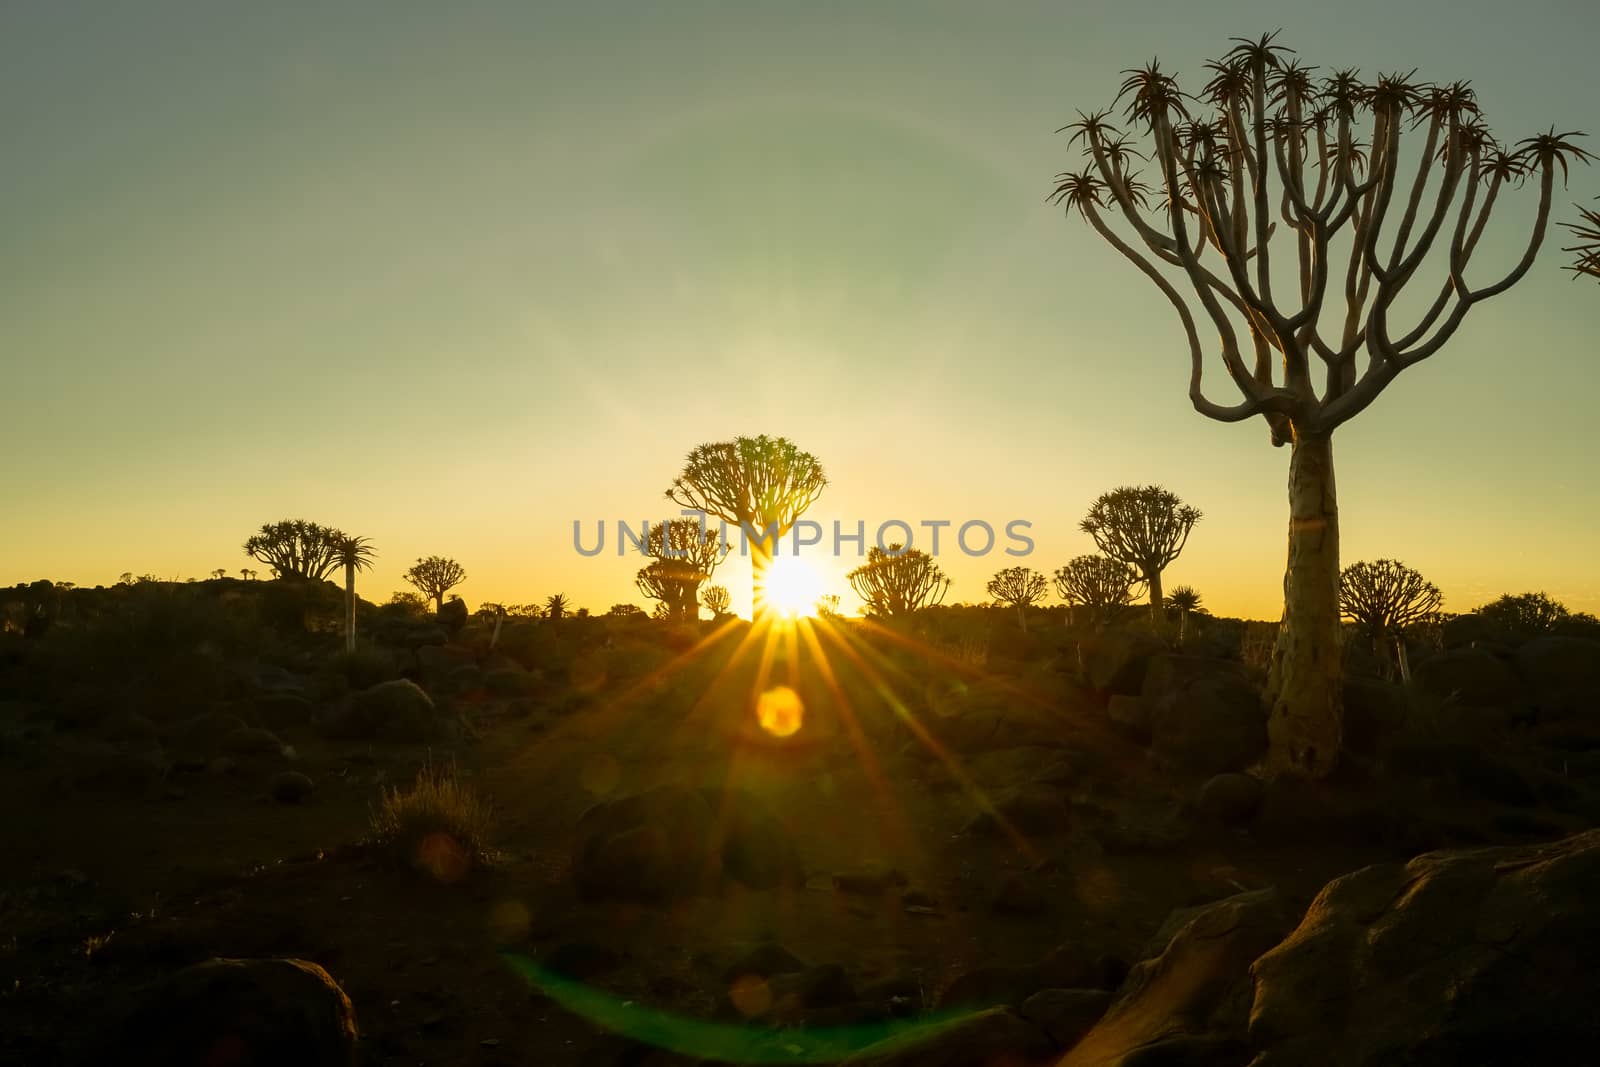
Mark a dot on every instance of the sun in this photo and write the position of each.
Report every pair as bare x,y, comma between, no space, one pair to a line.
792,587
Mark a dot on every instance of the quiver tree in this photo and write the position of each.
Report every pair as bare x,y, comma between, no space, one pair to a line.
1382,598
760,484
716,600
1102,586
685,553
1586,253
555,607
1144,526
1184,599
898,581
295,548
1019,587
1265,151
353,554
434,577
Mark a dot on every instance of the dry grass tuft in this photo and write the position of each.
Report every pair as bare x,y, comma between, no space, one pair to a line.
438,825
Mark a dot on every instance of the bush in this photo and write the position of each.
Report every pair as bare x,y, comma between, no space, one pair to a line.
438,826
363,668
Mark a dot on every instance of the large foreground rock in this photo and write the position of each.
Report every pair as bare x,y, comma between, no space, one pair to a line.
1193,1000
1479,956
243,1013
1563,677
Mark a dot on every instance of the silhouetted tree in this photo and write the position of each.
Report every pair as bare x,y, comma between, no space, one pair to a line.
555,606
247,574
220,572
684,555
1145,527
295,548
1587,261
1184,600
828,606
898,581
1383,597
1019,587
1214,190
716,600
625,611
436,576
1526,614
761,484
354,554
1101,585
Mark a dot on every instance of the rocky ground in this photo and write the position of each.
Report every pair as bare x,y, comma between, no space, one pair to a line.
1057,856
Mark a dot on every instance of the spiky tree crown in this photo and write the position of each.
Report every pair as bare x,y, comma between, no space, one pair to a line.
1267,150
764,481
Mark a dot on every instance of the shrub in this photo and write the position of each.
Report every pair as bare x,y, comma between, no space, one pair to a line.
438,826
363,668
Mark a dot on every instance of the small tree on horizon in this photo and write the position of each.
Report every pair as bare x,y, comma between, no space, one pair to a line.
555,607
1184,600
295,548
1144,526
684,555
761,485
898,581
1019,587
434,577
1103,586
716,600
1383,597
1314,356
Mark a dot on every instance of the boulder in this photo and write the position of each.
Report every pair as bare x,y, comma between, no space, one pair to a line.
438,662
1475,956
985,1039
1205,715
1130,714
290,787
1231,798
1066,1014
1471,630
251,742
1563,677
1469,678
390,711
1375,712
285,710
200,738
1115,662
1194,997
650,846
511,682
242,1012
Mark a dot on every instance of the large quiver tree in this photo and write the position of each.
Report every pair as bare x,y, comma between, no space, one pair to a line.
1382,598
1267,151
761,485
296,548
684,554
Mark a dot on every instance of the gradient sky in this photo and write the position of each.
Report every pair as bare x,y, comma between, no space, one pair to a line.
453,276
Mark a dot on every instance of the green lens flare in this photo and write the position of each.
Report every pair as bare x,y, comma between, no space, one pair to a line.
725,1042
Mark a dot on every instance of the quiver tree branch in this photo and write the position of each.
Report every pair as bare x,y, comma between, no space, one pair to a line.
1270,164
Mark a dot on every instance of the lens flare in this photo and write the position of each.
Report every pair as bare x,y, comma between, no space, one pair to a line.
780,711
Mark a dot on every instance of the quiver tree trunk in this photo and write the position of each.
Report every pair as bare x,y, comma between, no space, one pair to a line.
1158,609
1304,683
349,608
761,552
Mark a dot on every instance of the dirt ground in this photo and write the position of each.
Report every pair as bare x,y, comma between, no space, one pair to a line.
98,895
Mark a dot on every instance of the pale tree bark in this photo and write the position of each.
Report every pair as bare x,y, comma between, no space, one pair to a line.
1158,615
1305,724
